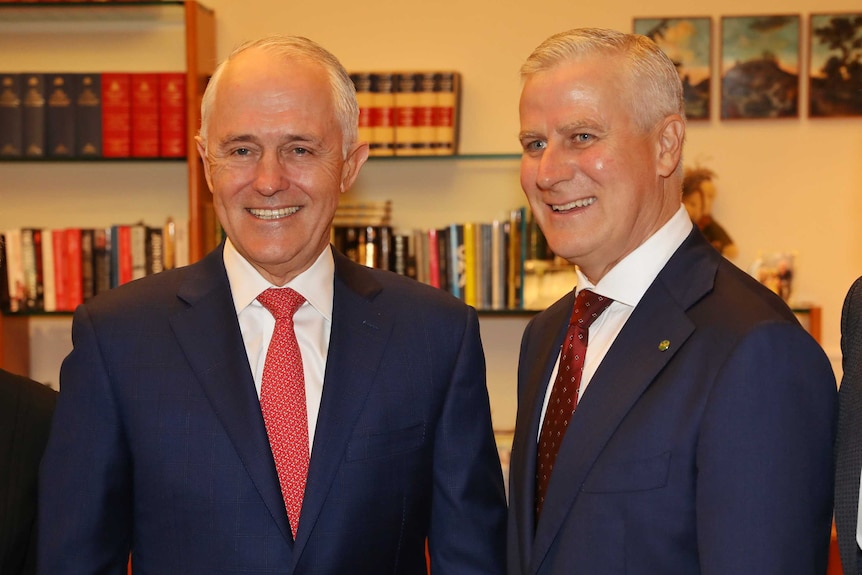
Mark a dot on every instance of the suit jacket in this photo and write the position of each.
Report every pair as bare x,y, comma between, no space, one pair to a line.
25,418
159,444
848,446
708,454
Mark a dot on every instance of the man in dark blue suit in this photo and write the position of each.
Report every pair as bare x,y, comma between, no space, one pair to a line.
701,441
160,447
848,445
25,419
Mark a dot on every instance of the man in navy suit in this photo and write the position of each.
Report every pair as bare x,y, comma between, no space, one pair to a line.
159,446
25,419
702,437
848,445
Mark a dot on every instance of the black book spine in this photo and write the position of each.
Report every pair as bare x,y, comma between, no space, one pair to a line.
11,116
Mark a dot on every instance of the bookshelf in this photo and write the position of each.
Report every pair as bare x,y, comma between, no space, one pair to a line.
97,37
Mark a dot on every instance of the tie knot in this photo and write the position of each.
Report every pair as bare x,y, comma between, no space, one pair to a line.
588,306
282,303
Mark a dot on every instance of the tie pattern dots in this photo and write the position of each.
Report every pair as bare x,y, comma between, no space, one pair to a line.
282,400
564,394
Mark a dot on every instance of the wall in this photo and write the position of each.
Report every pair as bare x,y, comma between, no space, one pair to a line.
791,184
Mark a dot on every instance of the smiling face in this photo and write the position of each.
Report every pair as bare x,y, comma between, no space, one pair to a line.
597,183
274,161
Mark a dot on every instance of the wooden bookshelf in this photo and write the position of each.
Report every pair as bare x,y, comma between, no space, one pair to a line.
193,25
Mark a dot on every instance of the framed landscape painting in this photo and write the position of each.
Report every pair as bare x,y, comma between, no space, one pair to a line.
835,65
760,66
688,43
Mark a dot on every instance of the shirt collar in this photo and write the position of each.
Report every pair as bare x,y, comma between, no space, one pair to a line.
314,284
629,280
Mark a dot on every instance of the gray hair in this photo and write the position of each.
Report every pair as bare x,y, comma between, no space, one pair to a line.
655,89
297,47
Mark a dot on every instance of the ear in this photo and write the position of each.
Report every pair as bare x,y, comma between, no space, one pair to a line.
671,136
356,158
202,152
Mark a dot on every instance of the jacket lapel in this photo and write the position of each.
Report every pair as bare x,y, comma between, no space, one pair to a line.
360,331
209,334
630,366
549,329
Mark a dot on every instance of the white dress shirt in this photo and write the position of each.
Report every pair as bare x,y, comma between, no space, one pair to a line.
626,283
312,321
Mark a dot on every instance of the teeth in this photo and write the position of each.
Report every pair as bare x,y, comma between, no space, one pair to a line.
273,214
572,205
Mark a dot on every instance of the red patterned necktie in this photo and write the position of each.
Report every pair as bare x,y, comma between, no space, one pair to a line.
282,400
564,395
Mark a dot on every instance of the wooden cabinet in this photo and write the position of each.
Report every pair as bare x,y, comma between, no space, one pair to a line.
106,37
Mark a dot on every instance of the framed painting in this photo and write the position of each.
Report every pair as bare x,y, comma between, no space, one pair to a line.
688,43
835,65
760,66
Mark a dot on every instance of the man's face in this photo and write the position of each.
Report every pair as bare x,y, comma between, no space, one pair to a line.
274,161
595,181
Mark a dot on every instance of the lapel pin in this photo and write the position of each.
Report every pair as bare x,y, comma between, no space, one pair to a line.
664,345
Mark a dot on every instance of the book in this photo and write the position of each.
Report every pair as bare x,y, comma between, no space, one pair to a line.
406,88
60,116
31,256
16,283
116,115
470,297
172,115
11,116
88,284
457,260
101,260
447,87
155,250
382,115
425,102
138,248
362,84
73,264
88,115
58,239
433,258
144,91
49,288
34,115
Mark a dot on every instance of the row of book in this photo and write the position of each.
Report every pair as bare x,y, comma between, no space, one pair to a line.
50,270
495,265
93,115
409,113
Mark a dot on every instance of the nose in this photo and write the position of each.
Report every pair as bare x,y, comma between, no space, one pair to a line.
269,176
554,167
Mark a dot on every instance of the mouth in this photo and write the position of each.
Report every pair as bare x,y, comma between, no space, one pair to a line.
582,203
273,214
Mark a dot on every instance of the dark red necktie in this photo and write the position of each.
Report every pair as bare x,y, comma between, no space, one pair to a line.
564,395
282,400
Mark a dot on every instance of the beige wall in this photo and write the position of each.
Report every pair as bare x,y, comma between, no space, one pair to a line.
793,184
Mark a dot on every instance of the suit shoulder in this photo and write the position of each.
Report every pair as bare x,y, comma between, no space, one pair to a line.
27,394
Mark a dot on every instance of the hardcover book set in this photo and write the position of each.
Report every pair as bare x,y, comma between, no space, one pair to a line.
93,115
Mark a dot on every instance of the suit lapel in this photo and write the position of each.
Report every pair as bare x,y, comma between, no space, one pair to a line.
209,334
630,366
360,331
549,329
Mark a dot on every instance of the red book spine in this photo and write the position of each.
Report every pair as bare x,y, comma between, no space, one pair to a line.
124,254
145,115
58,237
172,114
116,115
433,258
74,280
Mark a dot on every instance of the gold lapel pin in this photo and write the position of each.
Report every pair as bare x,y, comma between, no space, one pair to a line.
664,345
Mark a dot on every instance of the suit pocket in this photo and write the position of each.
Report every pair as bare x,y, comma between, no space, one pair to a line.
386,443
635,475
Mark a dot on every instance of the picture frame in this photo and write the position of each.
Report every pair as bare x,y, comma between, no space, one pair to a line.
687,41
835,65
760,66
